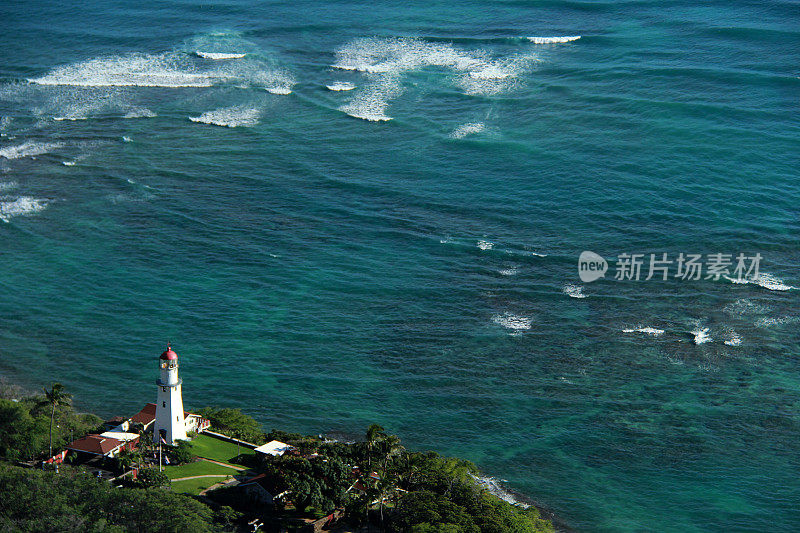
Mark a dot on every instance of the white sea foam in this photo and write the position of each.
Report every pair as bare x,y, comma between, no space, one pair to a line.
126,139
511,321
646,330
554,40
470,128
766,322
485,245
743,306
387,60
23,205
494,486
573,291
508,271
217,56
132,70
69,163
168,69
139,112
768,281
230,117
372,101
278,90
8,185
701,335
29,148
733,339
341,86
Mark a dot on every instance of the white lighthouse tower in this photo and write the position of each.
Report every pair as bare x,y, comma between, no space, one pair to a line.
169,423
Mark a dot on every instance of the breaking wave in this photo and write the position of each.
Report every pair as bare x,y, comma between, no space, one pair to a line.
701,335
493,485
470,128
573,291
217,56
386,60
230,117
656,332
768,281
23,205
554,40
340,86
511,321
28,148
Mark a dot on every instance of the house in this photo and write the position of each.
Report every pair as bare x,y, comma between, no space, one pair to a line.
105,446
274,448
256,490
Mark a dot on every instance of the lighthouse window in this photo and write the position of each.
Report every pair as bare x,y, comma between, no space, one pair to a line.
163,389
163,404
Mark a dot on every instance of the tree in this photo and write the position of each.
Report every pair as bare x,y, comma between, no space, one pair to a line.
390,447
55,397
150,477
375,434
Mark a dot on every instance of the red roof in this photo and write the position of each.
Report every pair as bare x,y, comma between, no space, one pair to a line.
146,415
94,444
169,354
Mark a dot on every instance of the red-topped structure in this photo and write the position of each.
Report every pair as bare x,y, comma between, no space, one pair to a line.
169,355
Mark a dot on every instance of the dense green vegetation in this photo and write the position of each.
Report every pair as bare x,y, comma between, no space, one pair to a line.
71,500
234,423
375,481
27,420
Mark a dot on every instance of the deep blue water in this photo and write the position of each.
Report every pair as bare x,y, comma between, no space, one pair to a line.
323,271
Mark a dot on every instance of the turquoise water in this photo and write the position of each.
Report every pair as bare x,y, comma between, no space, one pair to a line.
324,271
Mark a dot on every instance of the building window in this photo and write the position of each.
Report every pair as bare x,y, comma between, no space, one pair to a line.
163,404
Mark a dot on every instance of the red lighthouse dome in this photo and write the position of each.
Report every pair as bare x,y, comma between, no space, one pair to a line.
169,355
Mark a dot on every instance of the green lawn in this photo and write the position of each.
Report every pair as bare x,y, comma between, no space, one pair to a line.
216,449
195,486
198,468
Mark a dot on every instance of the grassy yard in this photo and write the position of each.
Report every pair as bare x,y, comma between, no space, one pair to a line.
198,468
216,449
195,486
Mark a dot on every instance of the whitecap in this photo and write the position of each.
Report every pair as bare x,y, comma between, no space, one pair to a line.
341,86
230,117
766,322
511,321
469,128
8,185
69,163
279,90
733,339
743,306
508,271
127,139
647,330
132,70
139,112
554,40
29,148
217,56
23,205
701,335
768,281
573,291
485,245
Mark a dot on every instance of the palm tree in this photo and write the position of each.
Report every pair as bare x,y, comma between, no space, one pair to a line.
55,397
375,434
390,446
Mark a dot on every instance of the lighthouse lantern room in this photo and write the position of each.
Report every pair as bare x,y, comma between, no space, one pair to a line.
169,424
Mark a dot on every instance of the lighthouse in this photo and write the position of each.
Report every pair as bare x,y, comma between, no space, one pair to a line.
169,424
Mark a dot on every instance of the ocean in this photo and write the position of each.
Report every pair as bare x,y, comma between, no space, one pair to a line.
342,213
